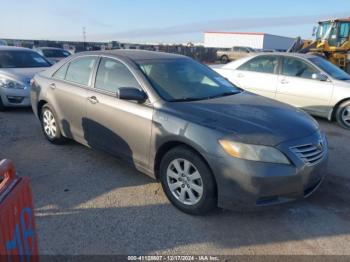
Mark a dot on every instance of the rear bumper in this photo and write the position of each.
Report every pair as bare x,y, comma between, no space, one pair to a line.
15,97
244,184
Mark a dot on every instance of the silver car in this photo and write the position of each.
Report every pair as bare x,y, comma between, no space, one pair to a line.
207,141
17,68
305,81
53,54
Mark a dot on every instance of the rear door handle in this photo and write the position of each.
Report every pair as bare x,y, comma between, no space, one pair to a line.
92,99
284,81
52,86
240,75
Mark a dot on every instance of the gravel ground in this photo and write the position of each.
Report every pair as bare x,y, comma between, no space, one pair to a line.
87,202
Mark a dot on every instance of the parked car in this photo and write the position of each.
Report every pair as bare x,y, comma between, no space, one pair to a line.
306,81
53,54
207,141
17,68
234,53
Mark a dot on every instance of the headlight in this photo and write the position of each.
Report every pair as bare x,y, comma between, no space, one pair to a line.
11,83
254,152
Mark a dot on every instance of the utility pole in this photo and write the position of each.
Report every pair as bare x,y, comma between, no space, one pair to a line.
84,37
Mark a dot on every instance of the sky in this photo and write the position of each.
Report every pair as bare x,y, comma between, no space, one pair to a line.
166,21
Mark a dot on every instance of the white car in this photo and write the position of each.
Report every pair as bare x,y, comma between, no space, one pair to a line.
305,81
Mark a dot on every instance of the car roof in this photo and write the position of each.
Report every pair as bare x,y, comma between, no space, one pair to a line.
49,48
133,54
14,48
235,64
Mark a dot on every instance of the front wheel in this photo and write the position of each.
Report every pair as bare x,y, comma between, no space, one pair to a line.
343,114
187,181
224,59
50,125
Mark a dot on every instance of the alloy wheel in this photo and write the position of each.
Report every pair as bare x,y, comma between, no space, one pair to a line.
49,124
346,116
184,181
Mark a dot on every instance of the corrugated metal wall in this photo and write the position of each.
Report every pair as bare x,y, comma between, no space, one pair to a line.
277,42
228,40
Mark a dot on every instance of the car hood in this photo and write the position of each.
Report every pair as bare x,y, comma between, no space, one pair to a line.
21,74
249,118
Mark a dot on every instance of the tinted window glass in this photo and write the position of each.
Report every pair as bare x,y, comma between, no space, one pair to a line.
61,73
22,59
297,68
330,69
112,75
185,80
55,53
79,70
261,64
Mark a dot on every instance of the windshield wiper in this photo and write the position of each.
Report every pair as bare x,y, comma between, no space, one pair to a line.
224,94
186,99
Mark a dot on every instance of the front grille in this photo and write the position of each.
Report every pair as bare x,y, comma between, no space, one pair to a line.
311,154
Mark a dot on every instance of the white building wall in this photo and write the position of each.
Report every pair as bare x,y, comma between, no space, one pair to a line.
228,40
277,42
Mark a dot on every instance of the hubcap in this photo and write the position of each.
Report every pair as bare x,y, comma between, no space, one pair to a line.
185,181
346,116
49,124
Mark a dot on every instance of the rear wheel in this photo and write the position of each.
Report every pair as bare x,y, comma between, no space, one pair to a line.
50,125
343,114
187,181
224,59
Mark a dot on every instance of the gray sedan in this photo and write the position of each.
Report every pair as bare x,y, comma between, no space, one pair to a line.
207,141
17,68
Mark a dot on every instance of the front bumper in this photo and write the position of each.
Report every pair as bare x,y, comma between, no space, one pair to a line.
15,97
243,183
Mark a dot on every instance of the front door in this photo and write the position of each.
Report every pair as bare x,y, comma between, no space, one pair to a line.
120,127
296,86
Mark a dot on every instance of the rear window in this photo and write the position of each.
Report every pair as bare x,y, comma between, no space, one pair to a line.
55,53
22,59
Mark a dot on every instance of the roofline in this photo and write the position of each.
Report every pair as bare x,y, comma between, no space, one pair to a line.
235,33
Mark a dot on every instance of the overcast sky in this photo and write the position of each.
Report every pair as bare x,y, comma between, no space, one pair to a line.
161,20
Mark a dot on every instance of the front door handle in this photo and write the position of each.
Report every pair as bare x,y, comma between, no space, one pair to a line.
92,99
284,81
52,86
240,75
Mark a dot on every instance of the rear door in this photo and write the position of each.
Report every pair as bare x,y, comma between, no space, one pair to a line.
297,87
68,92
258,75
120,127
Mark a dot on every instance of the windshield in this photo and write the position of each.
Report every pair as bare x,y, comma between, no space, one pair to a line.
55,53
323,30
185,80
22,59
330,69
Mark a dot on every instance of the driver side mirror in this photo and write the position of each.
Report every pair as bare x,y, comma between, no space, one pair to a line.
132,94
319,76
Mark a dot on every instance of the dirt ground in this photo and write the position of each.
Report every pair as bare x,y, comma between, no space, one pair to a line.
87,202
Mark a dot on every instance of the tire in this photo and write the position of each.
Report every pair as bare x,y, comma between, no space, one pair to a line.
342,114
224,59
178,184
50,125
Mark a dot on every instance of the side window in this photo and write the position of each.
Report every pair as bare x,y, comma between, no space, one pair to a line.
79,70
297,68
111,75
61,73
235,49
261,64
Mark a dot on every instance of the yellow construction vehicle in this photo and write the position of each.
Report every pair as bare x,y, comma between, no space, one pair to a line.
332,42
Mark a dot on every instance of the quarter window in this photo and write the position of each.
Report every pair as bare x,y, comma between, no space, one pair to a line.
297,68
112,75
79,70
61,73
261,64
